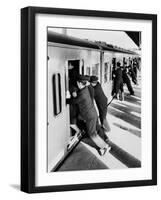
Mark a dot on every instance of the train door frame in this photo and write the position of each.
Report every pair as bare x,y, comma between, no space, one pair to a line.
73,139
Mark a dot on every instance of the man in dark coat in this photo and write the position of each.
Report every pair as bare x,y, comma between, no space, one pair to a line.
88,113
73,107
101,102
132,74
127,81
89,86
118,81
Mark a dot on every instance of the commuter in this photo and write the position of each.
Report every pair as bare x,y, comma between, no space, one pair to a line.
101,102
135,67
117,82
127,81
132,74
73,107
74,112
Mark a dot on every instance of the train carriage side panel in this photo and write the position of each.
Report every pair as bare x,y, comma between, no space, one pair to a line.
59,120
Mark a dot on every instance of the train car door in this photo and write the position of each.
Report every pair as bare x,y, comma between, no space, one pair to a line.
74,69
58,112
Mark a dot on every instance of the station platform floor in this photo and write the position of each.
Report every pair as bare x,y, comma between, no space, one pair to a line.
124,118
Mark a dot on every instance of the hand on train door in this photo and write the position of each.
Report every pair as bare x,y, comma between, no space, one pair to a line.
68,96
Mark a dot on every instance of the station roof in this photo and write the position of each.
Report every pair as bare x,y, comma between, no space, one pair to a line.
135,36
70,40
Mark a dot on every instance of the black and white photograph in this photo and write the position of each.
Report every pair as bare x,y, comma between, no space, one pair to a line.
93,99
88,99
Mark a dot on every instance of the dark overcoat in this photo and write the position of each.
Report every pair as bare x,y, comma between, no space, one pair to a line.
85,104
118,82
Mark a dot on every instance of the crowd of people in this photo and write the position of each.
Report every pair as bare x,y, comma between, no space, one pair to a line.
123,75
86,95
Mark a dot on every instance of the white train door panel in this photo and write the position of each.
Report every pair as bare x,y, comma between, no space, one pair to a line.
58,112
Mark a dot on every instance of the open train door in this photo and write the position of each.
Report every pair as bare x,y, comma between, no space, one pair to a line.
58,130
73,69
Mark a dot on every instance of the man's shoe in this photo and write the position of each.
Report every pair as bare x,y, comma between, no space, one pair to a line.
103,151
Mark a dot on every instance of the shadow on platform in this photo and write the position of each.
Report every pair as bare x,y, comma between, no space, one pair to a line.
133,131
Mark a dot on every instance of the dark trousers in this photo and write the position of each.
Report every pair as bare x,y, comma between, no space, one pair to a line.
129,87
92,131
117,85
103,120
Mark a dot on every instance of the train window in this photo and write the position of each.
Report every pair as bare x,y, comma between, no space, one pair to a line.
110,72
82,66
114,62
57,101
95,69
88,71
106,72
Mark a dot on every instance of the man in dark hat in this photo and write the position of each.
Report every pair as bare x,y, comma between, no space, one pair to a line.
101,102
118,81
88,113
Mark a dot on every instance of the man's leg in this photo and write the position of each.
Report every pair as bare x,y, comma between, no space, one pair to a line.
128,83
91,131
103,120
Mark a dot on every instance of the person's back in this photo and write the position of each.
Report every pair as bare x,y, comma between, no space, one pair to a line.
85,104
125,76
91,92
118,75
99,96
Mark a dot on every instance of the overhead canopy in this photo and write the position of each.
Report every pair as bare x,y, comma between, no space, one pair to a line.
64,39
135,36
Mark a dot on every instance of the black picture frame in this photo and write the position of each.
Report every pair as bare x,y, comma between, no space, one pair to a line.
28,98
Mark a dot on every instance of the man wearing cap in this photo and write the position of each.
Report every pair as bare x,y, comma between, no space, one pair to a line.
118,81
88,113
101,102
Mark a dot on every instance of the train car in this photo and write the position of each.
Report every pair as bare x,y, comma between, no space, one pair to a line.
68,57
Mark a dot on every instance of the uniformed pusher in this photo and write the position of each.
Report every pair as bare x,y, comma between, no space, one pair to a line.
88,113
101,102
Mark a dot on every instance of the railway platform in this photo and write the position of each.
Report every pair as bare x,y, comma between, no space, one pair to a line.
124,118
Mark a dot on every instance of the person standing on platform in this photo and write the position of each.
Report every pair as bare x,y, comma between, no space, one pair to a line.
101,102
127,81
132,74
118,82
